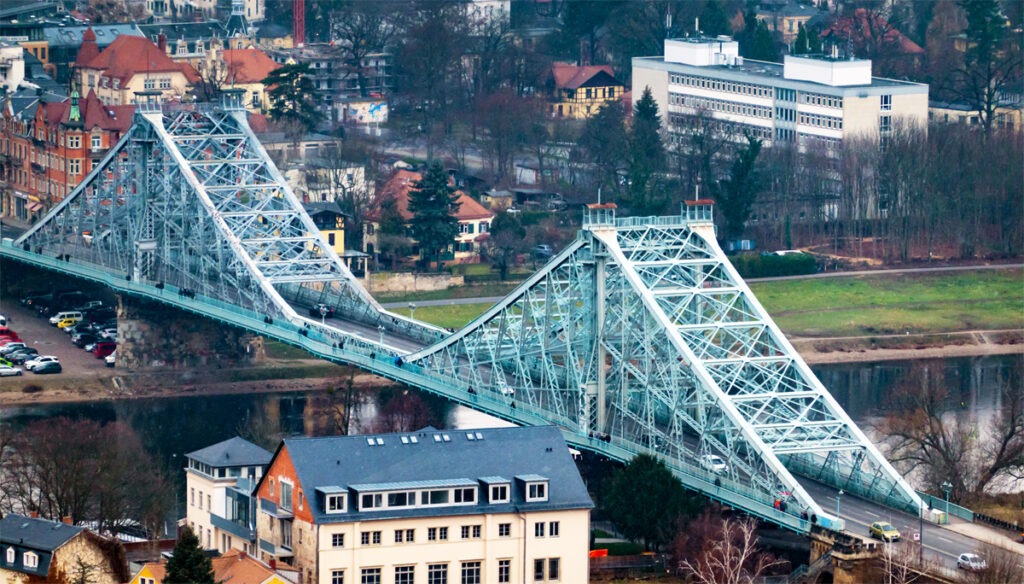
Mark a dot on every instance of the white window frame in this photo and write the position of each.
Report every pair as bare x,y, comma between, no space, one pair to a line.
31,560
496,492
11,555
338,540
336,503
537,491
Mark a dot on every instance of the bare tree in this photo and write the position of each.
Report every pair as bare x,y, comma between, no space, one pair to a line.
731,555
361,29
900,563
941,441
1002,565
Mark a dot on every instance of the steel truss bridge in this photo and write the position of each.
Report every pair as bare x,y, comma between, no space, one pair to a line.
639,337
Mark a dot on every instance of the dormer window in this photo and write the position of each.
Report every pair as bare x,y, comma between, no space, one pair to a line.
536,491
117,83
31,560
11,555
499,494
336,503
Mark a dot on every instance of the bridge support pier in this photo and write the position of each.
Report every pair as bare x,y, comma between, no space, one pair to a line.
152,335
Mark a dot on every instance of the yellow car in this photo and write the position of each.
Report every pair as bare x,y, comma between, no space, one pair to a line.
883,531
65,323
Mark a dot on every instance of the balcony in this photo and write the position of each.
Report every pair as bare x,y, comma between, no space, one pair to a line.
38,168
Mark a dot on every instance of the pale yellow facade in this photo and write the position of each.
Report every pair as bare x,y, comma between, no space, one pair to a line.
173,86
521,548
205,495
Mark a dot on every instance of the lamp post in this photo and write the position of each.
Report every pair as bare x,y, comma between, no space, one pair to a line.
839,498
412,310
380,329
947,487
920,537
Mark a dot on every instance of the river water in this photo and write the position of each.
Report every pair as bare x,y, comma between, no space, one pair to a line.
170,427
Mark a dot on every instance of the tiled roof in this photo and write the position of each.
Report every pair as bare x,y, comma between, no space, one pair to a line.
113,118
158,570
189,31
403,181
232,452
36,534
248,65
314,208
569,76
71,36
439,457
128,56
237,567
863,25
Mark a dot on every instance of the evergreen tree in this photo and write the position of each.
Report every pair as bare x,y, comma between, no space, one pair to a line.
813,41
713,20
801,46
291,97
646,156
189,564
433,205
602,142
630,508
736,195
392,241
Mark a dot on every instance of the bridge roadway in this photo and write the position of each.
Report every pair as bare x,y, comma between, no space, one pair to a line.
363,348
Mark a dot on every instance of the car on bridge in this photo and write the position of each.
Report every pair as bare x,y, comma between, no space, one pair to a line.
714,463
971,563
884,531
321,310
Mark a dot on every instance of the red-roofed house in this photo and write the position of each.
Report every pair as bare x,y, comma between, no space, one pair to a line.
579,92
474,219
245,69
128,65
50,153
873,37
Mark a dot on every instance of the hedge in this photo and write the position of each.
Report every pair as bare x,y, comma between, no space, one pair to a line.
768,266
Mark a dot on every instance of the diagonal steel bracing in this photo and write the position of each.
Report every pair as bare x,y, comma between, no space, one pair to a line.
639,337
642,337
189,199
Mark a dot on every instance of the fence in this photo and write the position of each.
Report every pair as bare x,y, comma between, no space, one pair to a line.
941,504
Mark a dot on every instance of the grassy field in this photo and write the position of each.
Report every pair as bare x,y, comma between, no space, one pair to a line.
863,305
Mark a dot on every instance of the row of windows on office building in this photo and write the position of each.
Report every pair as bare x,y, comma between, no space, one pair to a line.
757,90
468,572
755,111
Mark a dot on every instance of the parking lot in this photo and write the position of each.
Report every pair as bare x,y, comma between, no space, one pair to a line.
37,332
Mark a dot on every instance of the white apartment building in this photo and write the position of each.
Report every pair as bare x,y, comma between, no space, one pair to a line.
815,101
219,481
489,506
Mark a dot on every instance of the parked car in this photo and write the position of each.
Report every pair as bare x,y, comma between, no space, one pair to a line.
83,339
9,371
103,348
321,310
110,359
48,367
971,562
39,360
884,531
714,463
89,305
26,354
66,323
11,347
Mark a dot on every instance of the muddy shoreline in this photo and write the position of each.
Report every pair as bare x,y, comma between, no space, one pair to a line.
117,384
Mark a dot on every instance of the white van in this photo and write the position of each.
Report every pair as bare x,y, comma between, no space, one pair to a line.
70,314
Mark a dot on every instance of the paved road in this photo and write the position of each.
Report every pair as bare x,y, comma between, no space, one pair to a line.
495,299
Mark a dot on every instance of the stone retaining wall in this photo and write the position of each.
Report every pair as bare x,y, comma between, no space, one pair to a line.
410,282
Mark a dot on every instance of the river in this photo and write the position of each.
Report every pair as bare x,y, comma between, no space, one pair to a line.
170,427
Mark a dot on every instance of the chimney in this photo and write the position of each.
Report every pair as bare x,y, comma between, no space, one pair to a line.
161,41
66,520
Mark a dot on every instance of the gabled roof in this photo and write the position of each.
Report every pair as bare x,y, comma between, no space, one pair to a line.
112,118
247,65
424,459
403,181
128,56
71,36
232,452
188,31
316,208
36,534
861,27
569,76
155,570
238,567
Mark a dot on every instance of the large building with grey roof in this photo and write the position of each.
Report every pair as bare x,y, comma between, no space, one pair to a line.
491,505
814,101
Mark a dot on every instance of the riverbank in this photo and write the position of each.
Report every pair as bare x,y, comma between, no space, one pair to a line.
281,375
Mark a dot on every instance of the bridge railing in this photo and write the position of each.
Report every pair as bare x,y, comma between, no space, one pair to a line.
859,486
940,504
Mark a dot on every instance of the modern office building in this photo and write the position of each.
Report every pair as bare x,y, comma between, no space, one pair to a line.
815,101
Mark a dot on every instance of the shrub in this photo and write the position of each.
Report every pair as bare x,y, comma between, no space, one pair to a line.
32,388
768,266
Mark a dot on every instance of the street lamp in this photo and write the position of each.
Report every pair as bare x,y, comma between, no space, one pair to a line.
380,329
839,498
412,310
947,487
